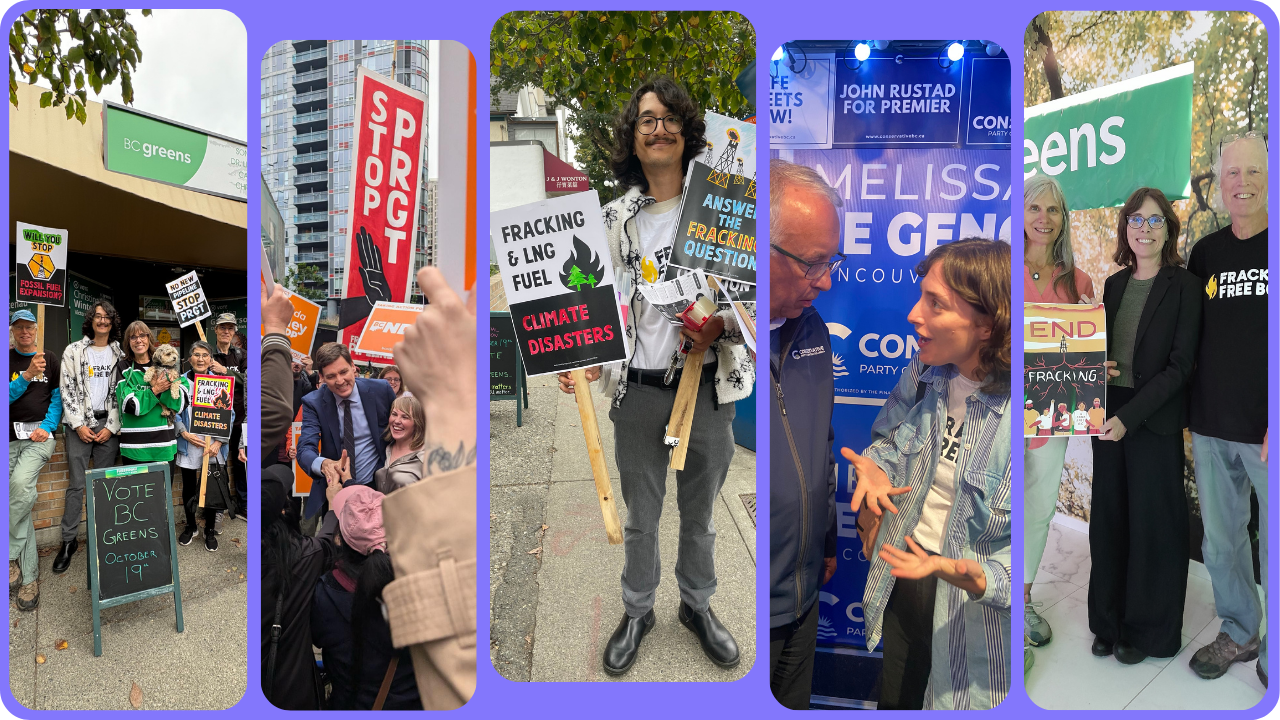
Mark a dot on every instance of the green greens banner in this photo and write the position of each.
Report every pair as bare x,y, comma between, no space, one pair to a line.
148,147
1103,144
85,293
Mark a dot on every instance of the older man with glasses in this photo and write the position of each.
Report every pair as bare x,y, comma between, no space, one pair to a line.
804,225
1229,404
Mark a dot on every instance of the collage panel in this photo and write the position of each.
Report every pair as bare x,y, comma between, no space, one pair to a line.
890,311
368,431
128,200
622,160
1145,335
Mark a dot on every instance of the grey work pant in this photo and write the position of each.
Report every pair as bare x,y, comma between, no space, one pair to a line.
79,453
639,426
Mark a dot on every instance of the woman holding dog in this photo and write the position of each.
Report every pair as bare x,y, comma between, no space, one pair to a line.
149,395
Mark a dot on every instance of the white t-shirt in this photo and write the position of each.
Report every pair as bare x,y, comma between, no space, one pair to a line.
101,360
942,494
1080,420
656,336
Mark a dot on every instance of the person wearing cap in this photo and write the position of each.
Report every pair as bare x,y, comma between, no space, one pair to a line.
35,407
230,359
365,669
191,451
90,410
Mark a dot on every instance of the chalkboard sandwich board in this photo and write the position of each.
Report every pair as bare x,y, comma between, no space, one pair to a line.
132,544
506,369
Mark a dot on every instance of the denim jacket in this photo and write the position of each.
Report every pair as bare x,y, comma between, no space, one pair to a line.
971,650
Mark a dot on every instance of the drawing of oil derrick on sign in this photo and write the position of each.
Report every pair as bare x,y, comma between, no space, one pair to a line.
717,228
386,183
1064,378
559,282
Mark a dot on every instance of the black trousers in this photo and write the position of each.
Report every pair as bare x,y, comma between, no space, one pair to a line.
791,649
908,644
1138,538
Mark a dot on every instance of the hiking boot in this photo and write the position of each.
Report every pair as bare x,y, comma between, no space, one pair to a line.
1036,628
15,575
211,540
28,597
188,533
1212,660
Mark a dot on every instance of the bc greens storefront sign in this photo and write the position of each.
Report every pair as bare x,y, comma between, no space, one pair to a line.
1103,144
149,147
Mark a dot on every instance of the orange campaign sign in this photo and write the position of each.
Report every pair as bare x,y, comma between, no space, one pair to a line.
386,327
302,326
301,480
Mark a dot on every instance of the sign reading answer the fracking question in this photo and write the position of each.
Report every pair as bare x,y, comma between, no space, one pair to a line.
211,406
41,265
188,299
1064,380
559,282
717,227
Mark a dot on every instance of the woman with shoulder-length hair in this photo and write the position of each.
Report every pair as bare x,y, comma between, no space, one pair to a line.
942,441
1049,275
1139,528
406,434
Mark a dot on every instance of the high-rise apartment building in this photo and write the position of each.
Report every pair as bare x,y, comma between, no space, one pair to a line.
308,114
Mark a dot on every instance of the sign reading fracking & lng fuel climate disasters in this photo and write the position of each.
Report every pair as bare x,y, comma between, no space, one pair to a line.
558,278
41,255
1064,380
188,299
211,406
717,228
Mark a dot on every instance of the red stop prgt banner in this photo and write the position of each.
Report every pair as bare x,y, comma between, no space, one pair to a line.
386,185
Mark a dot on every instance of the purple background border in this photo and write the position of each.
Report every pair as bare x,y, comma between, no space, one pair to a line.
1002,21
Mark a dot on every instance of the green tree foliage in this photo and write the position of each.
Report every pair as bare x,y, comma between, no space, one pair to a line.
306,280
105,49
590,62
1070,52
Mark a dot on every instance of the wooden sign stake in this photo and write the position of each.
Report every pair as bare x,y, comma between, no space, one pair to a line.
591,431
681,421
204,464
40,334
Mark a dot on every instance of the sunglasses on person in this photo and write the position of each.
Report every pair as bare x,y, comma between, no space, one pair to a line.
1155,222
648,124
813,271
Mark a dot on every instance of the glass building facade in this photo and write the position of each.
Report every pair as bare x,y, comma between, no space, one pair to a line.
308,115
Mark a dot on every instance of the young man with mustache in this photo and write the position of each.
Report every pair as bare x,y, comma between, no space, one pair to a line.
657,135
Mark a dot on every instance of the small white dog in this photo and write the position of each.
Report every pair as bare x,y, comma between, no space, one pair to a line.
165,360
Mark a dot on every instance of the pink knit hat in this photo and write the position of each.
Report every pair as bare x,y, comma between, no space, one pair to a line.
359,512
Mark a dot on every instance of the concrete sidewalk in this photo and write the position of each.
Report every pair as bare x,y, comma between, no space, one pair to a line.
202,668
555,595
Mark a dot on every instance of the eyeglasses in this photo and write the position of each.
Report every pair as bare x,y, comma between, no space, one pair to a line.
648,124
1155,222
813,271
1251,135
100,316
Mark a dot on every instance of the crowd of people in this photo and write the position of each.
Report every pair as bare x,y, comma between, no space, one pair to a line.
1186,340
118,404
348,569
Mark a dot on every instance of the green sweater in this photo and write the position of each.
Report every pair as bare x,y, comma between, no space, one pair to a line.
146,435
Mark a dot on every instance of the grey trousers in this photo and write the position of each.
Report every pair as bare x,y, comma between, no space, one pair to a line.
639,426
79,453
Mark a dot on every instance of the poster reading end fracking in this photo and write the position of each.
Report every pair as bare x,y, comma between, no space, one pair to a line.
1064,380
559,281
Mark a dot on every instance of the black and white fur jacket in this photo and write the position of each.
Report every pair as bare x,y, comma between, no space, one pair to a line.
736,372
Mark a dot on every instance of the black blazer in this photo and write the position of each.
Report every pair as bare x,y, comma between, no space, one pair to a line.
1164,351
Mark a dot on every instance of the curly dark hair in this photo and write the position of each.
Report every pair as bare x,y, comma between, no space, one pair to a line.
623,160
978,270
116,334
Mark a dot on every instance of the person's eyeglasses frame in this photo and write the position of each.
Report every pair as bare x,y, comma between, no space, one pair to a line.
663,121
822,267
1150,222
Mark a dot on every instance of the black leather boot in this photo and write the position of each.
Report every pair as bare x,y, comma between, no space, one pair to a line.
63,560
623,646
716,641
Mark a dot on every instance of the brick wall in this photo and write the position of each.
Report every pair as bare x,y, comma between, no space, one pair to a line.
51,488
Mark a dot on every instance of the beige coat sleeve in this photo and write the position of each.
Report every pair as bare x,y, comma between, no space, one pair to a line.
431,605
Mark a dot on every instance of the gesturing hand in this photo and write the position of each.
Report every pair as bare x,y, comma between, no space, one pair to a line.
916,564
373,278
873,485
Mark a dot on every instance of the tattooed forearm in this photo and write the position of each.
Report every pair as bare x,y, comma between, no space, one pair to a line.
441,460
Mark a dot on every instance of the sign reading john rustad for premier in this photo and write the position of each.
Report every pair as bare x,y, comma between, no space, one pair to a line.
41,255
559,281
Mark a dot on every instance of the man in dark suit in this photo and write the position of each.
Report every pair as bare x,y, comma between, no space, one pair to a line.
349,414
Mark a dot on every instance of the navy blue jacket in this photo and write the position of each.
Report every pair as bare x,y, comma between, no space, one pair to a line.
320,429
802,480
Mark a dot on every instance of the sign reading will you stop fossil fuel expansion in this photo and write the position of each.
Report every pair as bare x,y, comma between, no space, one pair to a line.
559,281
41,265
146,146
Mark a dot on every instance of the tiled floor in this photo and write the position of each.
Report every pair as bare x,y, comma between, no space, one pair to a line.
1066,675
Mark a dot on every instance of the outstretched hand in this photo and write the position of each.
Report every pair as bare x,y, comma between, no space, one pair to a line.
873,485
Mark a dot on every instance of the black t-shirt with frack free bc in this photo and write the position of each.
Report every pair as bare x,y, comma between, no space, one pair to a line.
33,405
1229,386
